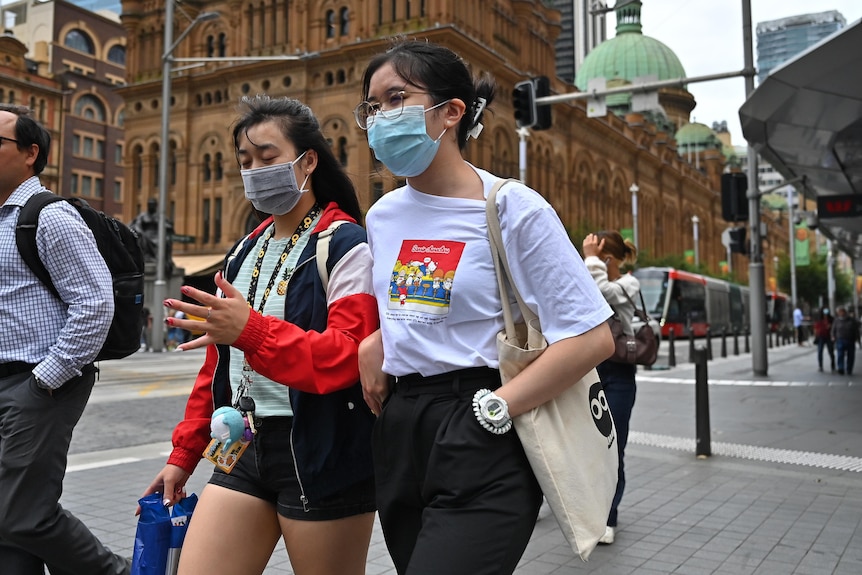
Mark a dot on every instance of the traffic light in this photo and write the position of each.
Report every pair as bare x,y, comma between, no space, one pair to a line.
524,102
734,200
737,241
543,113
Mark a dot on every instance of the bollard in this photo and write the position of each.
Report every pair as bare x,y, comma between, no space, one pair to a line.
747,343
723,341
708,343
690,345
671,351
703,448
735,341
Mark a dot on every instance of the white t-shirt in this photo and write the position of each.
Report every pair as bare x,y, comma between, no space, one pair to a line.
435,283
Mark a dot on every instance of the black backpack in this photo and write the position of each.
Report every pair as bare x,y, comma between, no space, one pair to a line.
118,244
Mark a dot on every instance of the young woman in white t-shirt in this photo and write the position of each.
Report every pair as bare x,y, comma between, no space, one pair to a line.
455,492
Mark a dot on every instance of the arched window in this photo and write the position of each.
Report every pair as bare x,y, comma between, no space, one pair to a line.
207,172
117,54
345,21
219,171
222,45
90,107
210,46
330,24
121,118
173,163
137,167
80,41
342,151
154,153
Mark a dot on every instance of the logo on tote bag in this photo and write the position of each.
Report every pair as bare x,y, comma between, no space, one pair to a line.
601,412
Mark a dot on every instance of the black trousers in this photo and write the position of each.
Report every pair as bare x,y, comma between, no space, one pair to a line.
35,531
453,498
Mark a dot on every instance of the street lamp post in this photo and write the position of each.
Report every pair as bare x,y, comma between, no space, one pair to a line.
160,286
694,221
634,190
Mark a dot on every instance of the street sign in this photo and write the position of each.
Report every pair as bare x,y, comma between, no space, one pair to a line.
181,239
839,206
596,106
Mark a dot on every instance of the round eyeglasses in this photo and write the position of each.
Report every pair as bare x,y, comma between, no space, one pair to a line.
390,108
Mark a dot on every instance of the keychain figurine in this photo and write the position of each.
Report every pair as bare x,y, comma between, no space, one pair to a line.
230,436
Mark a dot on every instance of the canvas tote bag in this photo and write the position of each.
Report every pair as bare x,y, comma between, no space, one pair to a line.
570,440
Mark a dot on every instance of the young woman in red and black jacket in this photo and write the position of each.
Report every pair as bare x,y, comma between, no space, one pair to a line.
282,350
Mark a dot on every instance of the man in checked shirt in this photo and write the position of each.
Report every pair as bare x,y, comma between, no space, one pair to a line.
47,349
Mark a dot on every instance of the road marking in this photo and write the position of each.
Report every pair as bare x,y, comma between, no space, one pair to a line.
753,452
119,456
748,382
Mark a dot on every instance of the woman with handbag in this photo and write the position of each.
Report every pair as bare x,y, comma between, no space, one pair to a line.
455,492
604,253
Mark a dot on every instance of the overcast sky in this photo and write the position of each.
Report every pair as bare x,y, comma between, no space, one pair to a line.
706,36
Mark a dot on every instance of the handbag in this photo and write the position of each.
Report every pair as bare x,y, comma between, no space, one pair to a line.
160,534
640,348
570,440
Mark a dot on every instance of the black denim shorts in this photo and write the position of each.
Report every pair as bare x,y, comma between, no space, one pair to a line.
266,470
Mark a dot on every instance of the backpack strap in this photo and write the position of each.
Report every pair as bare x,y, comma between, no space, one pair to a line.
25,236
323,239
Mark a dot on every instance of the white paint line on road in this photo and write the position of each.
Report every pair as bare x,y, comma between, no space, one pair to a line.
753,452
119,456
747,382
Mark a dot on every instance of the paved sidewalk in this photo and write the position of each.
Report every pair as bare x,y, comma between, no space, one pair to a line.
781,493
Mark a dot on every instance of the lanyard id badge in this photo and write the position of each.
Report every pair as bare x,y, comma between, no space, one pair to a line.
231,434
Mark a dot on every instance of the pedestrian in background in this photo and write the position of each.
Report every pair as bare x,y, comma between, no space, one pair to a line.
282,350
46,364
823,339
799,325
845,334
455,491
604,253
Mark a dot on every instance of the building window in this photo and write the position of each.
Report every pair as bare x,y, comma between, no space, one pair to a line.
118,154
73,184
342,151
330,24
98,187
206,222
222,45
217,222
345,21
138,167
80,41
210,46
117,55
219,171
173,162
207,172
86,186
118,191
90,107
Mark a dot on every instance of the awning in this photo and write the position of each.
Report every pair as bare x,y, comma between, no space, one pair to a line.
199,265
806,120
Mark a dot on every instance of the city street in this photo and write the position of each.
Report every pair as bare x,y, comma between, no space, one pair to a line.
781,493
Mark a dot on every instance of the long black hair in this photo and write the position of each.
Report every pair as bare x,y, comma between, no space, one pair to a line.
442,73
299,125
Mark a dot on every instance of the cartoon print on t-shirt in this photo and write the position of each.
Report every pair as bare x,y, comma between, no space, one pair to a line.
424,275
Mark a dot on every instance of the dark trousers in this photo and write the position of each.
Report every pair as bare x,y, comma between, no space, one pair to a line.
825,342
453,498
618,379
845,349
35,531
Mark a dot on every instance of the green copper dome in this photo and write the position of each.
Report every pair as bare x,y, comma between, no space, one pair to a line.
697,136
629,54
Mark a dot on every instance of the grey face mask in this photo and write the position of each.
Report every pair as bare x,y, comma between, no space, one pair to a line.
273,189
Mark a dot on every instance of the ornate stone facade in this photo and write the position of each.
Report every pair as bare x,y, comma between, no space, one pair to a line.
585,167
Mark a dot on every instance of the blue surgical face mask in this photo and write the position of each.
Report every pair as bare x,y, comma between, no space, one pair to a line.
403,143
273,189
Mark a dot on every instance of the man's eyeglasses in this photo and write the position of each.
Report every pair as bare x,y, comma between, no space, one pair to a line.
4,138
391,108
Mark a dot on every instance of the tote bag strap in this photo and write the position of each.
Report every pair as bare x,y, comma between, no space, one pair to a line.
501,263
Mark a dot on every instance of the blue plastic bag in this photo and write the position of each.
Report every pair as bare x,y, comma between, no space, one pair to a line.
160,534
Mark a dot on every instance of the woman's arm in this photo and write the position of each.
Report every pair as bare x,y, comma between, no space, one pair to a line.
562,364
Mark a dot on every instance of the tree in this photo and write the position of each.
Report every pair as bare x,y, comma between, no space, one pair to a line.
811,280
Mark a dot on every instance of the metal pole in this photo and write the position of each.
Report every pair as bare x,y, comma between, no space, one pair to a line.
830,277
791,234
523,133
160,286
757,285
694,221
635,215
